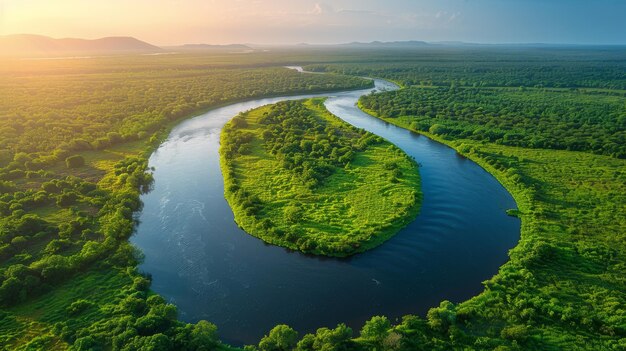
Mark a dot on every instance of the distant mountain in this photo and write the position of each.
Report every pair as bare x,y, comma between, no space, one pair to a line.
211,47
388,44
28,45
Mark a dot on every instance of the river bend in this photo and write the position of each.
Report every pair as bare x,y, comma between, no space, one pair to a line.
211,269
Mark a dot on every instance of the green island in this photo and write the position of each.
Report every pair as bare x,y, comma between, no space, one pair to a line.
297,176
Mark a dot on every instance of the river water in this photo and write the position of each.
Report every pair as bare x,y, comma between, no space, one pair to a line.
211,269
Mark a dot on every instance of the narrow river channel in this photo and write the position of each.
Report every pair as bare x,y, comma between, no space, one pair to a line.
202,262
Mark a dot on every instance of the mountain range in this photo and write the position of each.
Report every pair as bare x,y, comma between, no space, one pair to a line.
30,45
25,45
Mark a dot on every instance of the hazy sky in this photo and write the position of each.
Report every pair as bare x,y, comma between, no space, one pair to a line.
164,22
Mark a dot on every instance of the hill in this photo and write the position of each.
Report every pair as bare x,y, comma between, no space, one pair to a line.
387,44
29,45
211,47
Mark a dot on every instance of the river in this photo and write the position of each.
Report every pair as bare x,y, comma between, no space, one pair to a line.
211,269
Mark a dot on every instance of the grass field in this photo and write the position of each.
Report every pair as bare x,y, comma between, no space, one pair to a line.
357,207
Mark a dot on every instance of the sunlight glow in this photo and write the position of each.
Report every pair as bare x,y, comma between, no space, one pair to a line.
164,22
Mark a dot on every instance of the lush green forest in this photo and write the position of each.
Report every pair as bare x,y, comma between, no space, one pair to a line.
567,67
298,177
534,118
67,192
85,110
74,140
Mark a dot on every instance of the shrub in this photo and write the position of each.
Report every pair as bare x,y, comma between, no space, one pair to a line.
78,306
75,161
515,332
438,129
376,329
280,338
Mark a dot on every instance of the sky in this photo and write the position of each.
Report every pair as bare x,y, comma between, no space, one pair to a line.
168,22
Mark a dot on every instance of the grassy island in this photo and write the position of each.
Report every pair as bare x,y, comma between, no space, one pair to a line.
299,177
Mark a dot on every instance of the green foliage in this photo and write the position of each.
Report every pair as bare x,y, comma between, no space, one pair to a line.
532,118
75,161
325,339
563,287
584,67
79,306
515,332
280,338
442,317
298,177
69,107
376,330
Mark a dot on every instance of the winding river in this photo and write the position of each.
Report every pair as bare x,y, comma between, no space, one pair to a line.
211,269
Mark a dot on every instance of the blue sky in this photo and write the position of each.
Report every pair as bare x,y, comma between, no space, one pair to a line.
294,21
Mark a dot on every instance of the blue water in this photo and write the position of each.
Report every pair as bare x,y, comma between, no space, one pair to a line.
211,269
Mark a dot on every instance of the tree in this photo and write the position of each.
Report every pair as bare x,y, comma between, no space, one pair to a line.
442,317
438,129
86,343
292,213
203,336
280,338
338,339
238,122
515,332
376,329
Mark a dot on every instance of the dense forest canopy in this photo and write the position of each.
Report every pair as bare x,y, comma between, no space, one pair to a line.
93,110
582,67
516,117
563,287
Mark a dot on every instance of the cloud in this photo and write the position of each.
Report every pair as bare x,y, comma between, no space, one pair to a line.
454,16
321,8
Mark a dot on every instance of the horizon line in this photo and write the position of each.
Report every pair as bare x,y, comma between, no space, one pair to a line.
304,43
